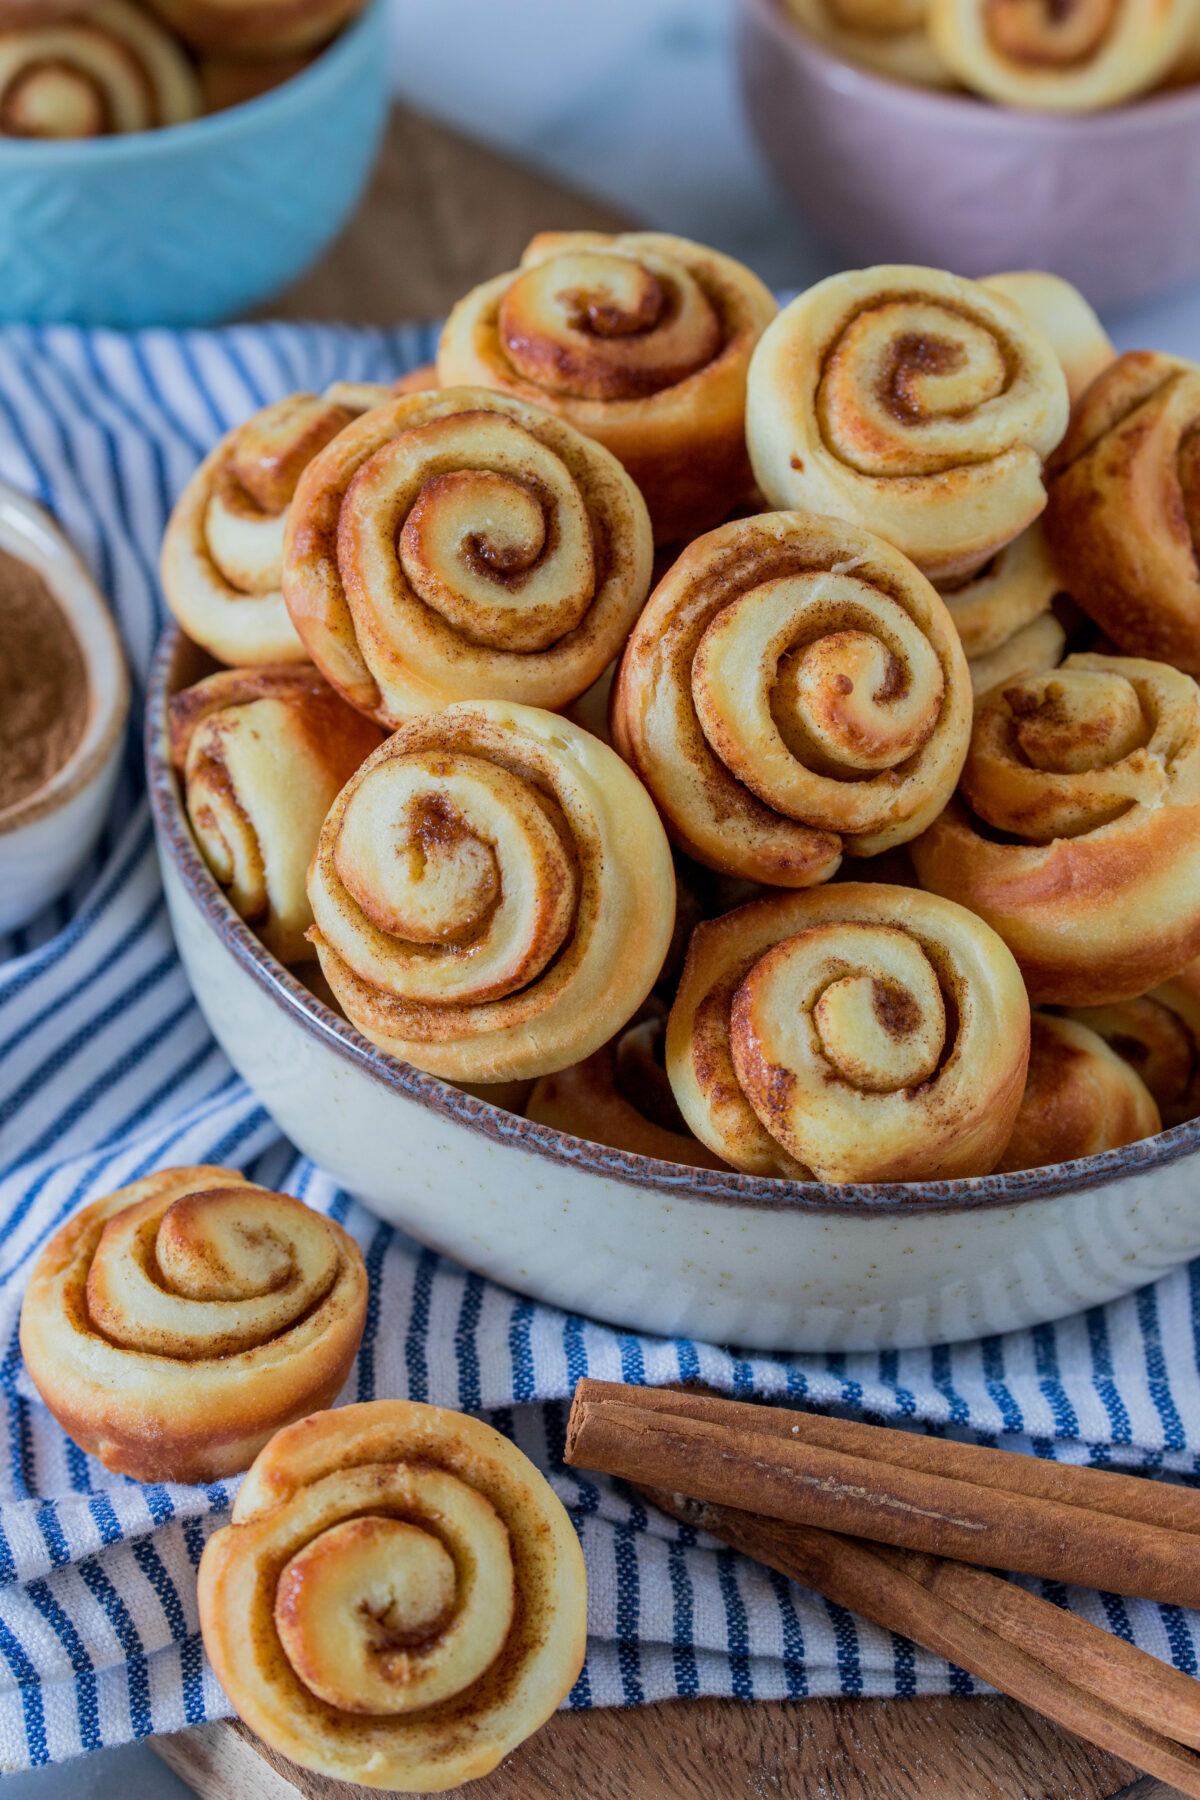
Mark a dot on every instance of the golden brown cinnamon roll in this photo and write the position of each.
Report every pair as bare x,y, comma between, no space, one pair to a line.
1078,832
910,401
174,1325
640,340
263,754
223,549
1080,341
400,1599
1080,1098
493,893
1061,55
460,545
1002,613
113,70
857,1032
256,27
889,36
1123,518
793,688
1158,1034
620,1095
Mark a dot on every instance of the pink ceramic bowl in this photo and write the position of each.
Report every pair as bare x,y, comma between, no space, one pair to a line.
891,173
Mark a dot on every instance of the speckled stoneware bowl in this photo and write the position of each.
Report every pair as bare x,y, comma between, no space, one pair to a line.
892,173
731,1258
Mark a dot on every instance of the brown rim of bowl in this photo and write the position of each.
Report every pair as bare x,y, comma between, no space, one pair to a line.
978,1193
1164,106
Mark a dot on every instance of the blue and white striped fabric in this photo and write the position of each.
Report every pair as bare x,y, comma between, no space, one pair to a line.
108,1072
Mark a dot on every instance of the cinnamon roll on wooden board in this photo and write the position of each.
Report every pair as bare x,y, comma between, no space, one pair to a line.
641,340
400,1599
263,754
112,70
1080,1098
174,1325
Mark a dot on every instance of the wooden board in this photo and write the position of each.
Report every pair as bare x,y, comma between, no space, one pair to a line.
442,215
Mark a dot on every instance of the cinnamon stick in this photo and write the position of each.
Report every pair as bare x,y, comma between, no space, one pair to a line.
1072,1672
753,1468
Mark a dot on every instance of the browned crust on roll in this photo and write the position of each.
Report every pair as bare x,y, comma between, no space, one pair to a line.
1080,1098
251,27
241,687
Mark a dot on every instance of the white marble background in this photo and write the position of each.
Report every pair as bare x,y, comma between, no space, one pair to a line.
637,101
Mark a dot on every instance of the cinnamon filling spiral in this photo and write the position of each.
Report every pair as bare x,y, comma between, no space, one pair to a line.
1053,33
113,71
400,1598
171,1327
1063,55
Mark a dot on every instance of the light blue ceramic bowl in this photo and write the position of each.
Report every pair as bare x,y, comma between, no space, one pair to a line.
198,222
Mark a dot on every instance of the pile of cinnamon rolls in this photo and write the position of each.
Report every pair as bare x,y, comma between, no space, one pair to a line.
711,729
1068,56
95,68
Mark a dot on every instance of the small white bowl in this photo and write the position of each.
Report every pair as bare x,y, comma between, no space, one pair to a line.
46,838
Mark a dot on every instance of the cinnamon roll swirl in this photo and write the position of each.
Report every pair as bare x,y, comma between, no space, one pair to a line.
1002,613
1158,1035
113,70
1123,520
857,1032
1082,345
794,688
174,1325
913,402
1080,1098
461,545
400,1599
620,1096
1077,835
1061,55
223,549
263,754
889,36
640,340
256,27
493,894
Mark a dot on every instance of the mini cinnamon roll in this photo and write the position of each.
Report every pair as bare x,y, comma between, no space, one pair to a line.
223,549
1077,834
1080,1098
889,36
910,401
1002,614
263,754
620,1096
400,1599
1124,512
493,894
256,27
1158,1035
642,341
857,1032
113,70
460,545
794,688
1061,55
174,1325
1082,345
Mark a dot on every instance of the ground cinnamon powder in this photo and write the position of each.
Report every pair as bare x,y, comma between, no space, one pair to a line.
44,692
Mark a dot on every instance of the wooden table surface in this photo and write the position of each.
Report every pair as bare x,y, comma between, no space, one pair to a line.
442,215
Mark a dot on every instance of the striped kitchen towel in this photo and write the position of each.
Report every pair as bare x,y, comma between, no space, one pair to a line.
107,1071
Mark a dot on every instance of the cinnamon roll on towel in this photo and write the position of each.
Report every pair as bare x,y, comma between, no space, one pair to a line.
856,1032
263,754
1003,613
493,894
1061,55
1082,345
794,688
223,548
1158,1035
642,341
174,1325
109,71
1080,1098
256,27
1076,834
1124,510
620,1096
910,401
462,545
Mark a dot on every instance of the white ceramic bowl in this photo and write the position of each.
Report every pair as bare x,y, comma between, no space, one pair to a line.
651,1245
46,838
